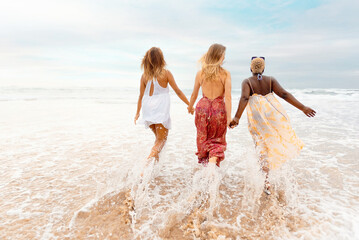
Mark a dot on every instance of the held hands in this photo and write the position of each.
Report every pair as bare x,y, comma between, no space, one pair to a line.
228,122
308,111
136,117
233,123
190,110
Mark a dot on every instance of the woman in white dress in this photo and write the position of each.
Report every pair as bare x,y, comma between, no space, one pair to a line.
154,98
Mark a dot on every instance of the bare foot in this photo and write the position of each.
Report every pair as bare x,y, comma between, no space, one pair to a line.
148,162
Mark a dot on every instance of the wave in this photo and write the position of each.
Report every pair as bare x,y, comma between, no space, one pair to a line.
119,95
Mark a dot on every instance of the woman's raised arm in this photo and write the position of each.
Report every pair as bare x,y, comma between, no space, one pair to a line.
287,96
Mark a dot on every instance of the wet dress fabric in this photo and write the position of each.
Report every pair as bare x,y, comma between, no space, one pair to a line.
272,133
156,108
211,124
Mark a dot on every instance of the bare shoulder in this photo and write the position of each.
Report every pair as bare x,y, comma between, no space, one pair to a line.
226,76
199,77
273,79
227,72
276,87
168,74
245,81
268,77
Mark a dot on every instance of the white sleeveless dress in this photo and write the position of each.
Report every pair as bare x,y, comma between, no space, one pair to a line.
156,108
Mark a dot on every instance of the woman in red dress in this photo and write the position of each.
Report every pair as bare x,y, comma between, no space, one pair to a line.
213,110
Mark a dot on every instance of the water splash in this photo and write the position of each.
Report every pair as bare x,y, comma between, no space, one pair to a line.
204,189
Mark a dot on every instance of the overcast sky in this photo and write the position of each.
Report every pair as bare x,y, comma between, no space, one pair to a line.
307,43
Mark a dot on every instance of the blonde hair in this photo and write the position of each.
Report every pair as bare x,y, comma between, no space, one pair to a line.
153,63
212,60
257,65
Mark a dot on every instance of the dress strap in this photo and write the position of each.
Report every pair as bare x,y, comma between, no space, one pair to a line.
249,81
270,84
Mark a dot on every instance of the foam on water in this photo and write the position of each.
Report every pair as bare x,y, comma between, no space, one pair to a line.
72,170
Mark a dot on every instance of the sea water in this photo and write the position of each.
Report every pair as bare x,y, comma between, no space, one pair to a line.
71,163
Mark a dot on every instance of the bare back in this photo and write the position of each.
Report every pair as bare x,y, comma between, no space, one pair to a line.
262,87
213,88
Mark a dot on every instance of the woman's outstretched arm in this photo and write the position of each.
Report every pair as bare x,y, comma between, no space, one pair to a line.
228,97
174,86
241,105
194,95
281,92
139,102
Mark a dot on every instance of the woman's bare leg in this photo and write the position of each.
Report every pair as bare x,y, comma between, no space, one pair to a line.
213,160
265,169
153,128
161,136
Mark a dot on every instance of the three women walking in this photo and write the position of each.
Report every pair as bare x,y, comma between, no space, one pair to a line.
268,123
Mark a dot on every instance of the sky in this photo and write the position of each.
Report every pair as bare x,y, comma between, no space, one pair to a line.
83,43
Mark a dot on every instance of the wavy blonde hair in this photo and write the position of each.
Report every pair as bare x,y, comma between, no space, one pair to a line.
153,63
211,61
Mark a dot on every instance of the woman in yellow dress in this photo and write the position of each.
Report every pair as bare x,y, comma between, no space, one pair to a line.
268,123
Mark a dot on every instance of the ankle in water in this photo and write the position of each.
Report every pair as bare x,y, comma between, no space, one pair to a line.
212,160
145,167
211,164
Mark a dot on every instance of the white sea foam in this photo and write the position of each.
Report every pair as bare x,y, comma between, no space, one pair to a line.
71,159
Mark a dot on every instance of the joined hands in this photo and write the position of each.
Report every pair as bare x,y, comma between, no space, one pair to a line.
190,110
233,123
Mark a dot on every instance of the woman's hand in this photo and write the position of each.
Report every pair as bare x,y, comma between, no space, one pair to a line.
190,110
136,117
308,111
234,123
228,122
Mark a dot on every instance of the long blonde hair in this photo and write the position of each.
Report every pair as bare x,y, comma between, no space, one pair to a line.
153,63
211,61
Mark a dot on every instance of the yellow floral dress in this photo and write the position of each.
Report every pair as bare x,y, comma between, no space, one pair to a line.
272,133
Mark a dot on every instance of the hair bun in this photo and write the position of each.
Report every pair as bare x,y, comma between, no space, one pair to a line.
257,65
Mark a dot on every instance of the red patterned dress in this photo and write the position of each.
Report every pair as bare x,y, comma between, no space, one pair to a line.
211,124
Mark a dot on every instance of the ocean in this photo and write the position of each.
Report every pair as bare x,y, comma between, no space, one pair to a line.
70,163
